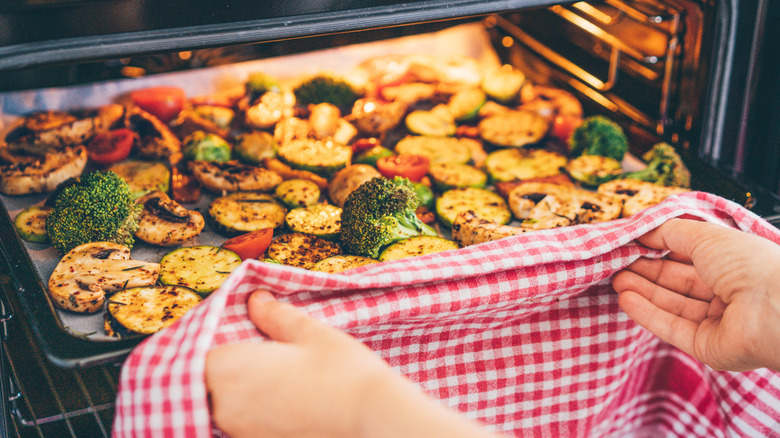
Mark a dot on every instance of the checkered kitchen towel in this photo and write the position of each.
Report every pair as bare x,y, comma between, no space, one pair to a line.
523,334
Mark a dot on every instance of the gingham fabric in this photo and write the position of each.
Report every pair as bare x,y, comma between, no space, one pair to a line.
523,334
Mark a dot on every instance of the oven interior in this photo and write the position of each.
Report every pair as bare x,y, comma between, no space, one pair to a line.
666,70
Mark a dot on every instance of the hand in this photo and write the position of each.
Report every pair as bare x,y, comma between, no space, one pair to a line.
716,296
313,380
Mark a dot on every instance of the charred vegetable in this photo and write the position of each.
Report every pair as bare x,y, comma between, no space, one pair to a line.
378,213
97,207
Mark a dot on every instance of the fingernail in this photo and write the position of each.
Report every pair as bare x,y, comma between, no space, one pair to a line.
261,296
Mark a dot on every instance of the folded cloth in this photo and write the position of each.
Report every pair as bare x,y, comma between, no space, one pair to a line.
523,334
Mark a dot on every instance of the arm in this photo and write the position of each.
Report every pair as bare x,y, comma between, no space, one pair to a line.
313,380
716,296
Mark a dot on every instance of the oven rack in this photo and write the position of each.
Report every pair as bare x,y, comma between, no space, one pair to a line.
43,400
654,64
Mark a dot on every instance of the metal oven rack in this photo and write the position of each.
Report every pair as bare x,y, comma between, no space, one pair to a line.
47,401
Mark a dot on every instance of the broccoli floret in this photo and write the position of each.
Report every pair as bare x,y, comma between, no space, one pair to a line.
598,135
259,83
328,89
97,207
664,167
378,213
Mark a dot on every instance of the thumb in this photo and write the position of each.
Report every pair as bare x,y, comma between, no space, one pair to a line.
279,321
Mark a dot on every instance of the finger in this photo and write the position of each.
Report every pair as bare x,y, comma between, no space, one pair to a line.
666,300
281,321
678,277
670,328
675,235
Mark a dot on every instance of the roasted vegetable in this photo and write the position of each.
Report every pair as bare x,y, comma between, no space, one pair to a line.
341,263
259,83
301,250
201,268
40,175
378,213
328,89
204,146
147,310
30,223
416,246
95,207
598,135
88,272
593,170
664,167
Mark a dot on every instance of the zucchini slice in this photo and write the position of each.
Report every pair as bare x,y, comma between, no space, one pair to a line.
254,147
415,247
321,220
437,149
514,164
301,250
593,170
447,176
341,263
503,85
432,124
321,157
371,156
242,212
296,192
513,128
30,223
143,176
149,309
484,203
465,105
201,268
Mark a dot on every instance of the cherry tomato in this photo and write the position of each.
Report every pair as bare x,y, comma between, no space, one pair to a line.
364,144
564,125
250,245
413,167
108,147
165,103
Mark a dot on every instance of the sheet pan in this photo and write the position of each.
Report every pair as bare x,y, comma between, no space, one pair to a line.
71,339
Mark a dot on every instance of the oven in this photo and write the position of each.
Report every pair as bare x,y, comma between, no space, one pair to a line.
699,74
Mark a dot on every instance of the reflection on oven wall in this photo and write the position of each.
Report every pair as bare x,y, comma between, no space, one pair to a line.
689,72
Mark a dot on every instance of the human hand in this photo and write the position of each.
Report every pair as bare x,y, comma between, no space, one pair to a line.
312,380
716,296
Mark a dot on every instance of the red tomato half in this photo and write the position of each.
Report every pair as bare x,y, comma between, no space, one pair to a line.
413,167
564,125
250,245
110,146
165,103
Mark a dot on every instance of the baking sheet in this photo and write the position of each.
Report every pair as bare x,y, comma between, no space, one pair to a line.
469,40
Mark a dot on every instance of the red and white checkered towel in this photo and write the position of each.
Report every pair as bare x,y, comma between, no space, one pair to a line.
523,334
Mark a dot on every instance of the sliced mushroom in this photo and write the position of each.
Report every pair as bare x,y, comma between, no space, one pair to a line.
374,117
58,131
233,176
155,138
346,180
42,175
523,198
469,229
638,195
164,222
89,271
